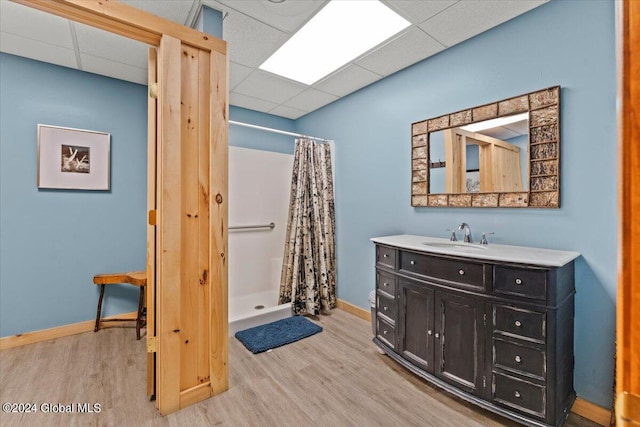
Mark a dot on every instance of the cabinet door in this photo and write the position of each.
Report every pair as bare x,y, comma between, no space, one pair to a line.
416,324
460,341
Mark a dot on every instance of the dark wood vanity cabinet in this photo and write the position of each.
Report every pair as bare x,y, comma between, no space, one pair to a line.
497,334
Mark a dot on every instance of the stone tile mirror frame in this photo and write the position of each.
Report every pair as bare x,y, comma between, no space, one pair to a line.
543,191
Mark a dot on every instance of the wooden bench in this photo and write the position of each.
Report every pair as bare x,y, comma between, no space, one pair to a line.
136,278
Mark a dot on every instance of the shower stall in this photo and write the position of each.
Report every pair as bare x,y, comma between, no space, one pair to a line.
259,188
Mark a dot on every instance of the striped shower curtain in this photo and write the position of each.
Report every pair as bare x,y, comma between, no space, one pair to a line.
308,279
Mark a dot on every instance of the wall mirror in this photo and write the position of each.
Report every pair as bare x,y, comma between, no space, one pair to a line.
503,154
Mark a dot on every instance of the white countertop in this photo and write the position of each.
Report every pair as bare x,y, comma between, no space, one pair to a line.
491,252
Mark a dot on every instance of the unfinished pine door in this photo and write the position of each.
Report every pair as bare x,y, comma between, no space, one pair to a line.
187,198
189,268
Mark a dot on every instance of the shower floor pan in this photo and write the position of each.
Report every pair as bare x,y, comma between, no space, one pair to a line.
255,309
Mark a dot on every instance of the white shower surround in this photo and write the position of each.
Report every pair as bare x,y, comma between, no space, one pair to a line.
259,186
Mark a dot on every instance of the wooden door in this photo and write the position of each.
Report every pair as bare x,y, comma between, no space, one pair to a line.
416,324
460,341
628,307
187,236
151,290
191,233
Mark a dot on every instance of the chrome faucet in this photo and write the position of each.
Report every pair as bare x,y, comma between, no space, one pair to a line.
467,232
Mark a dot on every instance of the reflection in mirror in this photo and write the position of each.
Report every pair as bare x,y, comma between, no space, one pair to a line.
488,156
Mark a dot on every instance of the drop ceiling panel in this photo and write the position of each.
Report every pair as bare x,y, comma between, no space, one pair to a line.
267,86
28,48
287,16
237,73
417,12
98,65
288,112
175,10
466,19
250,41
411,47
251,103
347,80
310,99
111,46
33,24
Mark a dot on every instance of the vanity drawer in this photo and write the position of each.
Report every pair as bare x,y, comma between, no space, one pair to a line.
518,394
517,358
520,323
466,273
386,283
530,283
386,332
386,307
386,257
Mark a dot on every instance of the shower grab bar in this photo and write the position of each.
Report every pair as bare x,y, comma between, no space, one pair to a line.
271,225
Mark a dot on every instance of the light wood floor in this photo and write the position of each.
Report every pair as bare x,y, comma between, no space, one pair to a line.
334,378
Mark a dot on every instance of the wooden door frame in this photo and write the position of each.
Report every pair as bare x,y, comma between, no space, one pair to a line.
132,23
628,298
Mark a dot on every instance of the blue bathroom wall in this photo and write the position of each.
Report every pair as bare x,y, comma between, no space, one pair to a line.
53,241
563,43
209,21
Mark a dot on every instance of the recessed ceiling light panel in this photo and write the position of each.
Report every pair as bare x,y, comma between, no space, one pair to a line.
339,33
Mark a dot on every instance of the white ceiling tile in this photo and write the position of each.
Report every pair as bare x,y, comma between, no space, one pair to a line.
34,24
251,103
310,100
175,10
347,80
111,46
411,47
237,73
286,17
250,42
98,65
288,112
267,86
466,19
417,11
28,48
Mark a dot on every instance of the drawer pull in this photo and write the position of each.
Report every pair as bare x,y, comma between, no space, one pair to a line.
429,332
385,284
518,323
518,359
385,256
518,281
437,335
385,308
517,394
461,272
385,332
412,262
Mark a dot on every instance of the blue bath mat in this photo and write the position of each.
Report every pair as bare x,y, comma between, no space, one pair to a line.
276,334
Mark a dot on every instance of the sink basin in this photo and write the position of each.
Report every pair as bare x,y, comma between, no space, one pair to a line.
456,246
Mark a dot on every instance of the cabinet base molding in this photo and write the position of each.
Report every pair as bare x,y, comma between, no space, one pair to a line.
61,331
354,309
591,411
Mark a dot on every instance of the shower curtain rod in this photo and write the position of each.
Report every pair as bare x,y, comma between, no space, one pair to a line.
283,132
